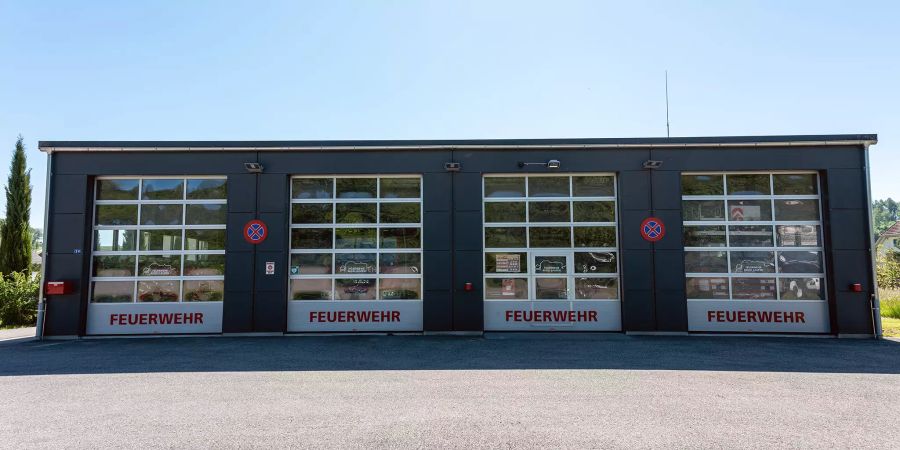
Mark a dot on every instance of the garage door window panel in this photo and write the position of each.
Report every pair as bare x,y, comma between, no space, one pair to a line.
749,210
115,240
204,265
558,242
206,214
587,211
112,292
307,213
311,289
504,212
698,210
114,214
207,189
371,250
117,189
312,188
312,238
151,235
204,290
770,237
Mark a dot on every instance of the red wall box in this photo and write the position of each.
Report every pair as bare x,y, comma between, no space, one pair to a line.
58,288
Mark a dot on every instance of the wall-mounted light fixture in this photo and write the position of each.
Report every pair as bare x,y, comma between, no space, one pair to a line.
253,167
552,164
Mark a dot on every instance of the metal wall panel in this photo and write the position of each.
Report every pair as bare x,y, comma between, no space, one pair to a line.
67,234
634,188
638,309
629,234
663,195
439,231
437,277
468,306
438,187
69,194
273,193
66,251
760,158
242,193
64,315
853,231
237,312
151,163
846,188
269,310
437,274
638,300
853,313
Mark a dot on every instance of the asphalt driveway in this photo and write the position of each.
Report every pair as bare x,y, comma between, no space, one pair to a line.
573,391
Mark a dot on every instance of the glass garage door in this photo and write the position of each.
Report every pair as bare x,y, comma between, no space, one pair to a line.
550,253
158,255
356,254
754,255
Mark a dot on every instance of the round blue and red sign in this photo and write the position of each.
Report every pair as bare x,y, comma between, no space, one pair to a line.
255,231
652,229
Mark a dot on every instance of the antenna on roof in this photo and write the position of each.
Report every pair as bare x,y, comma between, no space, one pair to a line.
667,104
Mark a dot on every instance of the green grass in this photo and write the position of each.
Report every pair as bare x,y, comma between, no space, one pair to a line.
890,312
890,303
890,327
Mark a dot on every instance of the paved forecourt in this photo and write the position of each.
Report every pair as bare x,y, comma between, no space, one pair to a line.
569,391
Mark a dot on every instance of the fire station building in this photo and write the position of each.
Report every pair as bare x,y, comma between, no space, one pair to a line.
762,234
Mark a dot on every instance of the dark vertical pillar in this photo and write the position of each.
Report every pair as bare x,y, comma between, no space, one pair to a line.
637,266
437,270
668,252
270,290
237,316
66,253
468,306
848,230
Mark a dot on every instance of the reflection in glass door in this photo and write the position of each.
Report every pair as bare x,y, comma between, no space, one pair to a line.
552,271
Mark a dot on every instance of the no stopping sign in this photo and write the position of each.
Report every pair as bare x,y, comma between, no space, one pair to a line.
255,231
652,229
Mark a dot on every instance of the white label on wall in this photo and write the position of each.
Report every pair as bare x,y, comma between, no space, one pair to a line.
785,316
154,318
581,315
353,316
270,267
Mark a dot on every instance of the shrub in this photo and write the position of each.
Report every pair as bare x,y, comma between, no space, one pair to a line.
18,299
890,303
888,270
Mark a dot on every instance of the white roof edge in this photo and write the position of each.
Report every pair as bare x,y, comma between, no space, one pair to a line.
49,149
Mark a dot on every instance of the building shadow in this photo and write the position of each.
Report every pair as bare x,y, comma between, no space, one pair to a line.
492,352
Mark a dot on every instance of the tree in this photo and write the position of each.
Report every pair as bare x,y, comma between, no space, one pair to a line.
884,214
37,239
15,235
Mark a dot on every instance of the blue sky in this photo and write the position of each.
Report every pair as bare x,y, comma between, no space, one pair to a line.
455,69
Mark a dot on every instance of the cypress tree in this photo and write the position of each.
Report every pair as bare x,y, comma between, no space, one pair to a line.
15,235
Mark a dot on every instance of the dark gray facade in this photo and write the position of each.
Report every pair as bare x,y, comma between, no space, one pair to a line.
652,274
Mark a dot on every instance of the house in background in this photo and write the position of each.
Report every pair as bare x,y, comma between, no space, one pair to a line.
887,240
